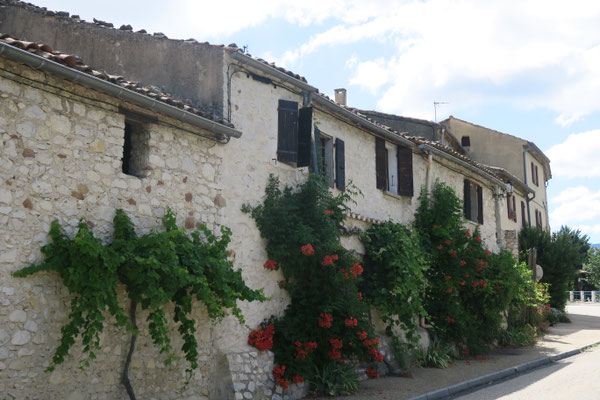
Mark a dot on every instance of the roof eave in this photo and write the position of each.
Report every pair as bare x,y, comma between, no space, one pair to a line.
73,75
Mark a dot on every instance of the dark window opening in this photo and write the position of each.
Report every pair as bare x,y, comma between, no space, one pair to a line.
465,141
294,132
473,201
393,167
135,150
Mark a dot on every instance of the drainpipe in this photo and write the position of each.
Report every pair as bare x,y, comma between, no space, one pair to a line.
429,170
498,195
527,199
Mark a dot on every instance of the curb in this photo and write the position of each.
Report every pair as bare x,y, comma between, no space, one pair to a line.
449,391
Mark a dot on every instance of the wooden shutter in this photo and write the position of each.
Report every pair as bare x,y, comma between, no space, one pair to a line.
405,171
467,199
340,164
315,153
480,204
508,204
287,132
304,136
532,173
381,163
537,178
523,216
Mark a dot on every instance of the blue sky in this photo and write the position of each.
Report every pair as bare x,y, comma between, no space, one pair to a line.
530,68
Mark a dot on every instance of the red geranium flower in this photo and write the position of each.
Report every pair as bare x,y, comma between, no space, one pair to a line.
447,277
356,269
449,290
439,247
328,212
270,264
468,234
361,335
478,239
307,250
351,321
487,253
359,296
298,379
462,262
449,320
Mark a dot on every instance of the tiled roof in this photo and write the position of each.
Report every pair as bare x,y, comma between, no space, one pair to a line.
74,62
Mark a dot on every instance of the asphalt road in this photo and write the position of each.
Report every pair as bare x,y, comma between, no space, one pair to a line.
576,377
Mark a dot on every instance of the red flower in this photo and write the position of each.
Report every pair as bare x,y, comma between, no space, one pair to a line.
361,335
478,239
304,349
307,250
351,321
453,253
466,275
449,320
336,343
439,247
359,296
462,283
372,373
261,338
449,290
447,241
356,269
327,260
462,262
278,372
343,271
468,234
447,277
484,284
334,354
487,253
325,320
282,284
298,379
270,264
328,212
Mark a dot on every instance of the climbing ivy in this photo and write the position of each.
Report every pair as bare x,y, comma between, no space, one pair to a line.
156,268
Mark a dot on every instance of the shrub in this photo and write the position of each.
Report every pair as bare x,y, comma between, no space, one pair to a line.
326,321
468,287
560,255
435,356
394,277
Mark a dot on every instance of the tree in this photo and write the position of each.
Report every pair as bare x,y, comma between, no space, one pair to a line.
560,255
593,266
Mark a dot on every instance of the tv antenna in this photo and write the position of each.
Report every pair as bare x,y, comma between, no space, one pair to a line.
435,105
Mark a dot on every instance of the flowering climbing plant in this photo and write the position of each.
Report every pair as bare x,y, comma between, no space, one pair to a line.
326,322
468,287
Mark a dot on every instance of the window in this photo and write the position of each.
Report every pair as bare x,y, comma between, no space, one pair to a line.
523,215
465,141
393,165
330,159
473,201
538,219
512,207
534,174
135,150
294,132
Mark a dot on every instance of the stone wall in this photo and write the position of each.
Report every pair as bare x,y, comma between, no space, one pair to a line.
62,146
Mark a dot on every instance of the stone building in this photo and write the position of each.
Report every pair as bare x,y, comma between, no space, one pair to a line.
206,126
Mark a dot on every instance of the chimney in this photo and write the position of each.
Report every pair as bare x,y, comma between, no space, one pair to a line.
340,96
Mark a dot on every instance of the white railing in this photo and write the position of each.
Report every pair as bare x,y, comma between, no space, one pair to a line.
584,295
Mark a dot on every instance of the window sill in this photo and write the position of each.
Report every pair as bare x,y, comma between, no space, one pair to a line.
394,195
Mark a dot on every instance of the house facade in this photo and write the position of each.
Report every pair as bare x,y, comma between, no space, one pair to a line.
521,158
208,128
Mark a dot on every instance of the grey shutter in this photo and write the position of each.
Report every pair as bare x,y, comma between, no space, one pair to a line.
514,208
405,171
287,132
523,216
537,177
532,173
304,136
480,204
467,199
508,204
340,164
381,164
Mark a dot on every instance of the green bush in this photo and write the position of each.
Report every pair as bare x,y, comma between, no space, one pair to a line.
468,287
394,277
327,321
435,356
560,255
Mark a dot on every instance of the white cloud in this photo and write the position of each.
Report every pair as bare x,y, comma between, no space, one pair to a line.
577,156
469,51
576,207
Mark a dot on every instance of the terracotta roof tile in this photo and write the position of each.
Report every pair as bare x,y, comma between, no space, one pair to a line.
75,62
